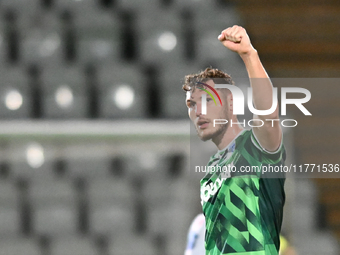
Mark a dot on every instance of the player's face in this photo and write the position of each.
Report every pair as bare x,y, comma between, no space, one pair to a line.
204,124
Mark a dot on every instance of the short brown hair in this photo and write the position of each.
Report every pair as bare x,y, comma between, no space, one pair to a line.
209,73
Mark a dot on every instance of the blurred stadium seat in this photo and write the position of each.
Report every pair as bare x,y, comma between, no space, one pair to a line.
138,5
160,43
19,245
122,91
131,244
54,207
88,167
210,49
8,194
73,245
16,98
166,193
172,222
10,220
192,3
108,219
157,193
64,90
208,15
111,206
41,39
110,191
169,203
22,7
146,163
31,160
3,44
76,5
98,36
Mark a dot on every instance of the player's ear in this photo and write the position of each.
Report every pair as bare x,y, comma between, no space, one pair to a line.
187,97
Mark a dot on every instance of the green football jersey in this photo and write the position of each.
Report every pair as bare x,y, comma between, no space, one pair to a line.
242,207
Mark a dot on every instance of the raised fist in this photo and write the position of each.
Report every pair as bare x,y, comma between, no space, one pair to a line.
236,39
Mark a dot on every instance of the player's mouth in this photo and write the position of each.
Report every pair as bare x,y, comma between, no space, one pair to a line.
202,124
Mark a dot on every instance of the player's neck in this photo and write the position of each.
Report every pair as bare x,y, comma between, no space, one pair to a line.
228,136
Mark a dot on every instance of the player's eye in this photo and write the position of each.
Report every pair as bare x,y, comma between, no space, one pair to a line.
209,99
190,104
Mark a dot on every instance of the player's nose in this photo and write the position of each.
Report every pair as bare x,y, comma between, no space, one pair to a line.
198,109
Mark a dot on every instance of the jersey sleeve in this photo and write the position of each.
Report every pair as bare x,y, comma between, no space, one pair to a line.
269,157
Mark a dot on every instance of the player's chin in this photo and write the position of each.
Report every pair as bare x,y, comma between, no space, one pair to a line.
210,132
204,134
204,138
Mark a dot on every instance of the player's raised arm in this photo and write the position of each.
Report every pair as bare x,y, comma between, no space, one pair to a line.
236,39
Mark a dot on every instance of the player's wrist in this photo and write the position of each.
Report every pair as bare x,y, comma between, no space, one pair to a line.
249,53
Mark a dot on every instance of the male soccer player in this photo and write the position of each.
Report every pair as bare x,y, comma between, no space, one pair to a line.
243,211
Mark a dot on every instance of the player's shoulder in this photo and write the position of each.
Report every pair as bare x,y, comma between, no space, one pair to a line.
243,139
270,157
247,143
